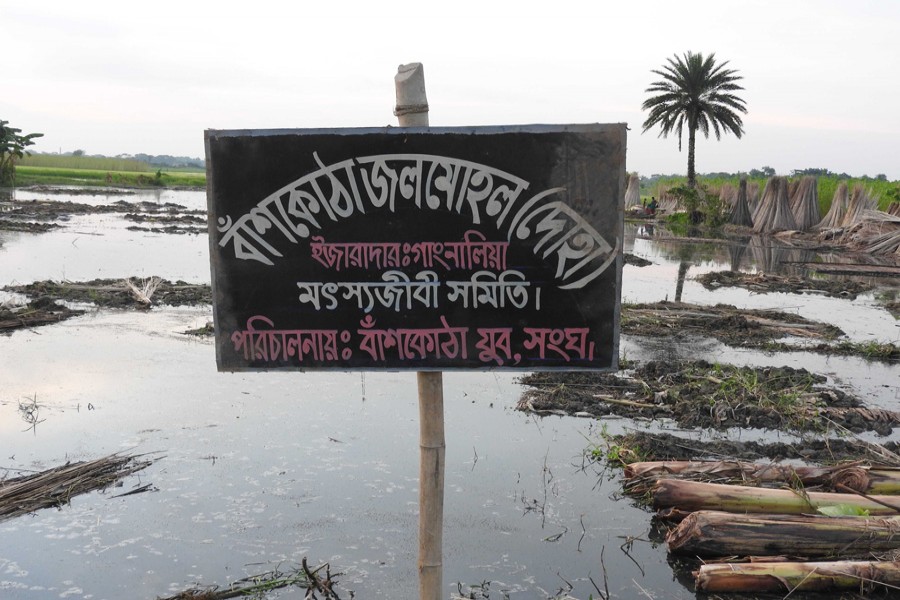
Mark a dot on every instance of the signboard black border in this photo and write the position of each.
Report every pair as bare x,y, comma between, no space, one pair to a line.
617,130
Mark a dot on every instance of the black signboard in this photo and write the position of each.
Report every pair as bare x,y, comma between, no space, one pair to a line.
417,248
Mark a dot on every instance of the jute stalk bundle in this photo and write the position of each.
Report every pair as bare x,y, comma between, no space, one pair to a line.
860,201
875,232
740,213
727,195
752,196
715,534
805,204
774,212
633,192
792,186
791,576
838,208
690,496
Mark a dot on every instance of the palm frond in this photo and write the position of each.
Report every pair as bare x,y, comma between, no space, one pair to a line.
695,91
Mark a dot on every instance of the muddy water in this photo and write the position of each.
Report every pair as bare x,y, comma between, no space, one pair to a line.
264,469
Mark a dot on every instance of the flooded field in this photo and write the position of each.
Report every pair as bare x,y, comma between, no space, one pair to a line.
260,470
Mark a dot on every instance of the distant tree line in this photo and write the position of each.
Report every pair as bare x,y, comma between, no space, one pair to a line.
156,160
165,160
761,173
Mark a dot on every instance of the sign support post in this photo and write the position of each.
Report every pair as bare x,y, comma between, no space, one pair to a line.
417,248
412,111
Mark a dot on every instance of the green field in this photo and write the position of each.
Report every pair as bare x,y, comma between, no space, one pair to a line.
886,191
35,175
96,163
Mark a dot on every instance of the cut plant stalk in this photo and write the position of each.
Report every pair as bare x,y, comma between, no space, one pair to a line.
713,533
641,476
793,576
691,496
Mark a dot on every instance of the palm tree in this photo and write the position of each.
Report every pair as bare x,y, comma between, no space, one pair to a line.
696,93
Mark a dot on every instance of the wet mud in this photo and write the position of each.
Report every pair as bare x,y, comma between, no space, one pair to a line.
177,224
76,191
26,226
726,323
745,328
697,394
132,293
37,312
765,283
42,215
637,261
665,446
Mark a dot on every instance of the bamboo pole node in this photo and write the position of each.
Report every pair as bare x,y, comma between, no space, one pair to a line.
410,109
412,103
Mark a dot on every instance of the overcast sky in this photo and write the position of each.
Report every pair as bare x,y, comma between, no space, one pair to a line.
821,78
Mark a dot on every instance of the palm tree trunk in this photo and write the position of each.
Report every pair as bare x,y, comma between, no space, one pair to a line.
679,283
692,135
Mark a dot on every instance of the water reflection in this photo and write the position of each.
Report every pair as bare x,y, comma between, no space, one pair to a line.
266,468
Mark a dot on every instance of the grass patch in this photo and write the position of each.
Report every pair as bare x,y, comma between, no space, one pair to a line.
617,450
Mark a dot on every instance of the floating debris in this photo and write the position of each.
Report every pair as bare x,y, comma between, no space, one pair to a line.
55,487
316,584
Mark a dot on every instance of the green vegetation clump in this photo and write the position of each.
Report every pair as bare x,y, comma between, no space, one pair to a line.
12,149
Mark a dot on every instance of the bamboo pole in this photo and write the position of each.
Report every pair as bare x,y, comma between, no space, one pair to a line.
790,576
713,533
690,496
431,484
412,111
